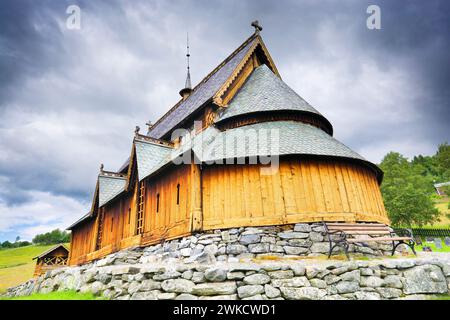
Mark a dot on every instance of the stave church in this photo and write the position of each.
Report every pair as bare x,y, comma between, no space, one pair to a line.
239,149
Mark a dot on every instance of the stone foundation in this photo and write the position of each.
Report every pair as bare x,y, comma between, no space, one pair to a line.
278,262
284,279
245,244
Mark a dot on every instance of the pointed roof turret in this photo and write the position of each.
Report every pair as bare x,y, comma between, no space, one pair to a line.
187,90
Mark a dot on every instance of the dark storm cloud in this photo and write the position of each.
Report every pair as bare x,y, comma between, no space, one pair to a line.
69,99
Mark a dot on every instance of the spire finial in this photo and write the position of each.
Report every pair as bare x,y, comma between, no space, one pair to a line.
187,90
255,24
136,131
101,167
188,77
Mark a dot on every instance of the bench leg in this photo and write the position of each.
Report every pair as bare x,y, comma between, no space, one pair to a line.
331,249
410,244
395,246
344,245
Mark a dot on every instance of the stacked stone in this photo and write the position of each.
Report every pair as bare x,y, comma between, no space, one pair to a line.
243,244
378,279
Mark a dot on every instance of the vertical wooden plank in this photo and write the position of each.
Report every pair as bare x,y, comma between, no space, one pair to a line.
247,192
196,200
334,185
344,186
288,188
278,195
326,186
303,170
360,192
354,190
316,186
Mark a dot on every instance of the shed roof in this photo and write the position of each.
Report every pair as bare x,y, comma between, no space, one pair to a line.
51,250
442,184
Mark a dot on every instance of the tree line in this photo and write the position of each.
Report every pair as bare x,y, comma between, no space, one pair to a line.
408,186
53,237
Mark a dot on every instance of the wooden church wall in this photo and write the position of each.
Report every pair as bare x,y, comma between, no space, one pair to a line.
81,242
301,190
170,217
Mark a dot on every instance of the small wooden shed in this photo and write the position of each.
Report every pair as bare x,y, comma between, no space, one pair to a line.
53,258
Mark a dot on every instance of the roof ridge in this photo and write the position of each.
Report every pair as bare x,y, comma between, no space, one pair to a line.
151,140
110,174
51,249
209,75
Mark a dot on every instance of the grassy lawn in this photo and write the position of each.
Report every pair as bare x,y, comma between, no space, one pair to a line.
63,295
17,266
433,247
440,297
442,205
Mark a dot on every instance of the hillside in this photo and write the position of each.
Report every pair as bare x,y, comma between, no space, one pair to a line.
442,205
17,266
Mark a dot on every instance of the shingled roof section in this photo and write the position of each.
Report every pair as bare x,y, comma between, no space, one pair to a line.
203,92
276,138
51,250
264,91
109,188
83,218
150,157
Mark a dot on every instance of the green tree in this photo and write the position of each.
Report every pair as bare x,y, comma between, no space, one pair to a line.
7,244
406,192
52,237
442,159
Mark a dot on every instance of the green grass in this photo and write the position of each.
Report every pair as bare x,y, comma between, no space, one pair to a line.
440,297
442,205
17,266
63,295
433,247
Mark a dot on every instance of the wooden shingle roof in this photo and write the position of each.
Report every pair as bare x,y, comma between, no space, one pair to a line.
203,92
51,250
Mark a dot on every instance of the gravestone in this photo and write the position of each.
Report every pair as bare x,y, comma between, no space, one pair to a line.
438,243
418,240
429,239
447,241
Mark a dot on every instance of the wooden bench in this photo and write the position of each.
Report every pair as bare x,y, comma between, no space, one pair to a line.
338,235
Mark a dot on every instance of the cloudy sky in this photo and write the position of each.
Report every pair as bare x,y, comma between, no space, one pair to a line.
70,99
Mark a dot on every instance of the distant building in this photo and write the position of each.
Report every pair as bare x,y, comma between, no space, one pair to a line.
439,187
53,258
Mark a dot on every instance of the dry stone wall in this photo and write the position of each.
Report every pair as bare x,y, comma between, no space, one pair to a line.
248,263
293,280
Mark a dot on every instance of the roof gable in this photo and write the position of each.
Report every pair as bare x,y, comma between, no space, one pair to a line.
150,157
51,250
109,187
212,87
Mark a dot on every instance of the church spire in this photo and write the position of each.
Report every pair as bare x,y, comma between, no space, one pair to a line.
187,86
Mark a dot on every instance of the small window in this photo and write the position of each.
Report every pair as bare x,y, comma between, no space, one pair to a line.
112,224
178,194
157,202
129,215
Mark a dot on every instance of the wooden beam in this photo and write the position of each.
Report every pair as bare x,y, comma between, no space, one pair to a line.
196,213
